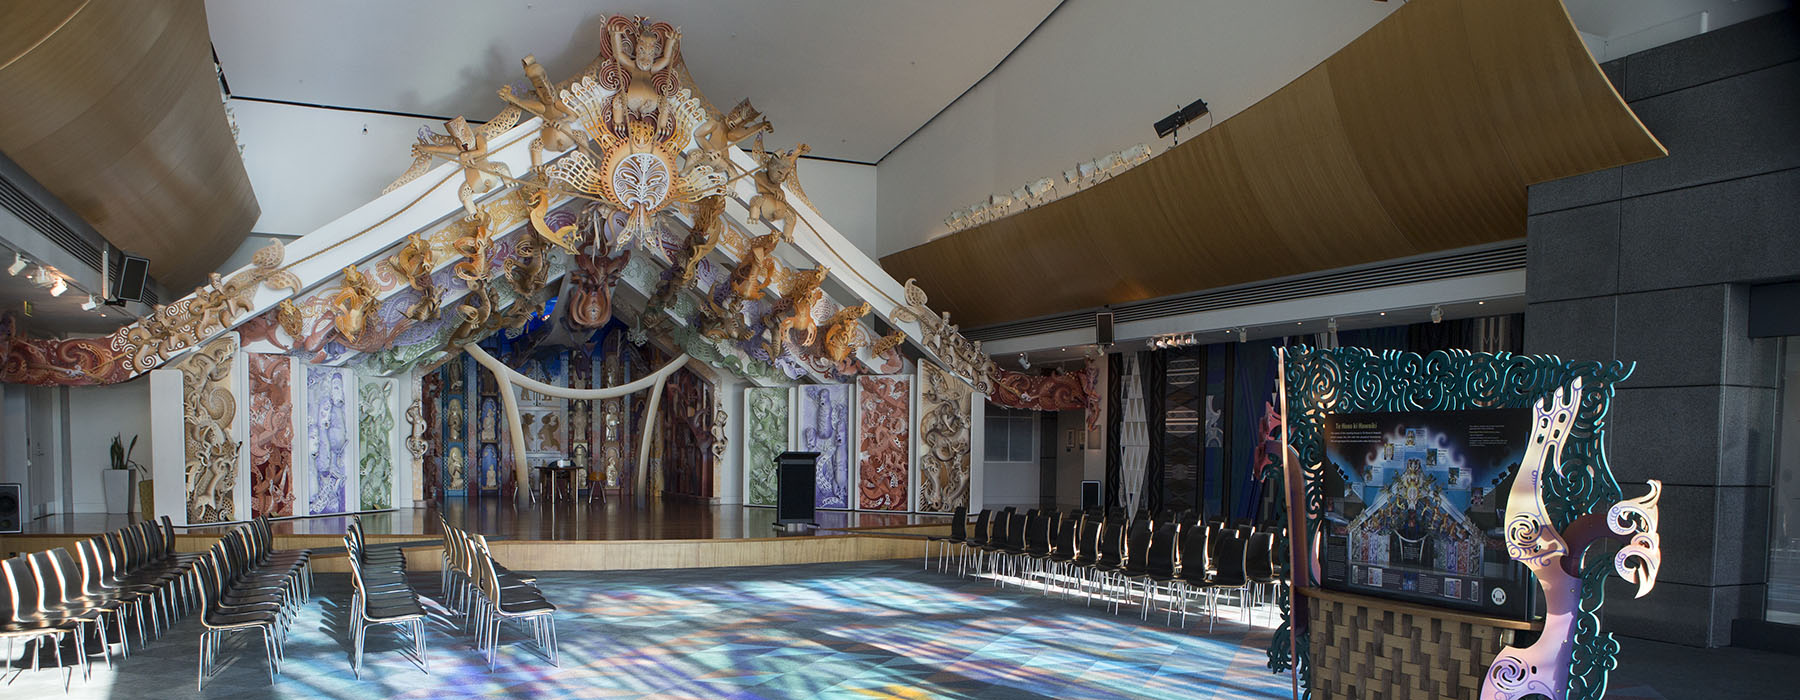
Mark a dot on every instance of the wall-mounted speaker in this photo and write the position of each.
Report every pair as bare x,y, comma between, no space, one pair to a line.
12,510
795,485
132,275
1103,332
1090,495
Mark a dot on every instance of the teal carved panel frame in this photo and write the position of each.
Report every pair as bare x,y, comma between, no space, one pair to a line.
1319,382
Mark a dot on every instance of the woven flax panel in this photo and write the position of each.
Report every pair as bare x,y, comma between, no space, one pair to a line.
1366,653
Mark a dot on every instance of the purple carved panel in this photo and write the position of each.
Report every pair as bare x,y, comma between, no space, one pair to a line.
825,429
327,433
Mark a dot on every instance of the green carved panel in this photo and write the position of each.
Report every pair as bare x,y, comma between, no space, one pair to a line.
767,427
375,430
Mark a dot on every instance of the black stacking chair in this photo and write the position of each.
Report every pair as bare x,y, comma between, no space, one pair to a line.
959,533
1014,547
1137,548
1228,565
1063,549
975,540
987,557
1087,551
1259,568
1196,569
1111,554
1159,566
1039,530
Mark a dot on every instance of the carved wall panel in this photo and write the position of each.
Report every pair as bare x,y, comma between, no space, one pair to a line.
825,429
327,437
211,451
375,434
271,435
766,435
944,403
884,442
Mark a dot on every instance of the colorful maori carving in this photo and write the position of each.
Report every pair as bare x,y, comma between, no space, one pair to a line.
960,355
756,268
795,312
1555,557
596,273
770,205
825,429
48,362
766,428
211,448
843,333
1058,391
271,435
354,304
553,133
375,431
885,442
469,147
413,264
944,414
327,437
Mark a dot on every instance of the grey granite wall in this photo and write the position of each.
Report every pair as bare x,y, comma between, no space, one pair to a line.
1651,262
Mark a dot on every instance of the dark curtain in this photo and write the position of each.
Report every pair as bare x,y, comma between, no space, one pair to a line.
1253,391
1115,367
1153,365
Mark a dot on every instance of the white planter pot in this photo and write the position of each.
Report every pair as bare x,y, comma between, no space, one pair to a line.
117,483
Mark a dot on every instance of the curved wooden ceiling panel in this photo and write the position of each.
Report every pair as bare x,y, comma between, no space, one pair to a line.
1419,136
114,107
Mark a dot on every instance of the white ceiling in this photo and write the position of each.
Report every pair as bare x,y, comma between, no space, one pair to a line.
853,79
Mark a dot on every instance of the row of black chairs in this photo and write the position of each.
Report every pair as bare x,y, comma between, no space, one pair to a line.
117,580
1169,558
380,594
489,595
246,585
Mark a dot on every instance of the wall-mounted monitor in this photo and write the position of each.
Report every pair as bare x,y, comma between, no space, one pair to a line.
1415,508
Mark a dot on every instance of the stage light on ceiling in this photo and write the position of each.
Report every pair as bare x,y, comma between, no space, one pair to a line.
1479,303
1243,334
17,265
90,304
58,287
1024,361
1437,314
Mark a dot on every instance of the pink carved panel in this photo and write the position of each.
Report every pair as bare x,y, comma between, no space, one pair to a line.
884,441
271,436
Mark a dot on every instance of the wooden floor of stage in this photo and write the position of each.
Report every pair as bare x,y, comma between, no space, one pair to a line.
616,519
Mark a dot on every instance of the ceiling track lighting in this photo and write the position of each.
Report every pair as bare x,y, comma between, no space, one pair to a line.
1437,313
58,287
18,265
91,303
1243,334
1024,361
1173,340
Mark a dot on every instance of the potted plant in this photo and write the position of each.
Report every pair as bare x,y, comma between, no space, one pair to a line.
117,479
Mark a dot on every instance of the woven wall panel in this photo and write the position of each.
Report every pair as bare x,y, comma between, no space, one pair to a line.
1368,653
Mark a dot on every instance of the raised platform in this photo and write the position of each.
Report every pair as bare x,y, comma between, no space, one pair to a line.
562,536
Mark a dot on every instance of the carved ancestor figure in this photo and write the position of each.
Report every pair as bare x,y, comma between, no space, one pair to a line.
413,264
474,248
469,146
716,137
843,333
795,313
355,303
638,68
529,267
475,310
756,268
542,101
590,299
770,204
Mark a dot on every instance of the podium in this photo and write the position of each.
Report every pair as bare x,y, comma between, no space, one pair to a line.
796,480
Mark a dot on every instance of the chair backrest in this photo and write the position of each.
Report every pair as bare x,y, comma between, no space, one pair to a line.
980,535
44,582
1015,530
68,573
1037,534
93,569
1160,557
1228,559
1087,540
1137,542
1259,557
9,590
959,523
1196,564
1064,545
1112,536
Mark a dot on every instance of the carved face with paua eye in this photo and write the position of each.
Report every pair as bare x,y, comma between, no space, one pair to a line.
644,53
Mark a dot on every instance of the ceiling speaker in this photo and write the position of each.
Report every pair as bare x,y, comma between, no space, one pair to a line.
1103,331
132,274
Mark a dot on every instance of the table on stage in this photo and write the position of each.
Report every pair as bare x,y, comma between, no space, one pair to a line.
553,471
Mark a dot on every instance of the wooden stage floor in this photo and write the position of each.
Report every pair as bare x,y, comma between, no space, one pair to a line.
617,534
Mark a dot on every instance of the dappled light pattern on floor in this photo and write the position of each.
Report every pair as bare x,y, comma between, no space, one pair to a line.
870,629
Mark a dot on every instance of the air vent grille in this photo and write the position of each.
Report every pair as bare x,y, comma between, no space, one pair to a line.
53,228
1462,263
